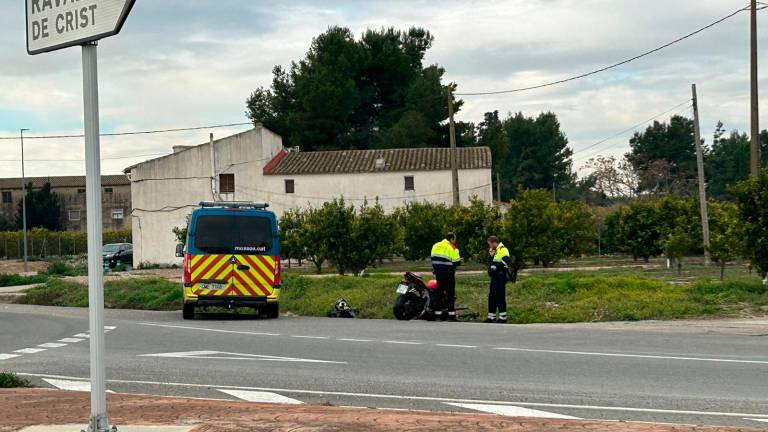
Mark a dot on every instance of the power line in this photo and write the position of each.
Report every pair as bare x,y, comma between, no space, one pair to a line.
628,130
146,132
631,128
81,160
612,66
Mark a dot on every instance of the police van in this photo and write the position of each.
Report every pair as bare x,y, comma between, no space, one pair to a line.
231,258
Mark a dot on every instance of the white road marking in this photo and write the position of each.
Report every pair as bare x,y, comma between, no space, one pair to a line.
512,411
30,350
71,340
354,340
421,398
109,327
263,397
455,346
70,385
52,345
310,337
82,335
220,355
644,356
765,420
403,342
210,329
8,356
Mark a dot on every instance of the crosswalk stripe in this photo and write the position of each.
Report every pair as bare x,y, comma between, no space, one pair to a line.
80,386
512,411
260,396
8,356
71,340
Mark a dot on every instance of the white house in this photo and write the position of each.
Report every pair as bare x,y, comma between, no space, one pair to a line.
254,166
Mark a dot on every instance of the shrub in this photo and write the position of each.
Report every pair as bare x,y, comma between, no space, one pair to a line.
11,380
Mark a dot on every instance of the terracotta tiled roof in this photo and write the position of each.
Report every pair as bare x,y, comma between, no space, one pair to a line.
63,181
389,160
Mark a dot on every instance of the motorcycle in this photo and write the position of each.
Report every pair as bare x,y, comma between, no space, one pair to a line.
413,299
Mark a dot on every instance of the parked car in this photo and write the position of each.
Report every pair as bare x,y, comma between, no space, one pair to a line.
115,253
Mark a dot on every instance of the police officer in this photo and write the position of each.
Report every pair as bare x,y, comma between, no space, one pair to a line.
445,259
498,267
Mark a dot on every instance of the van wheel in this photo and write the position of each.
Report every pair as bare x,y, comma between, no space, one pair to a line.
273,310
189,311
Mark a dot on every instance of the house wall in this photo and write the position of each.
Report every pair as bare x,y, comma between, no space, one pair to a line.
165,190
387,187
73,200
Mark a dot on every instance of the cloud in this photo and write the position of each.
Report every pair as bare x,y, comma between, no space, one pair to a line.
194,62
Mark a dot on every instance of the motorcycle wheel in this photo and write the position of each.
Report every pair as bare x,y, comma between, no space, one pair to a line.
407,308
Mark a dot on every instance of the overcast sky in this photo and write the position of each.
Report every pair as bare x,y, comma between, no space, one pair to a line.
181,63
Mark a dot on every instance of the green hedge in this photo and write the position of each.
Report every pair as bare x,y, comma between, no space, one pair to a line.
43,243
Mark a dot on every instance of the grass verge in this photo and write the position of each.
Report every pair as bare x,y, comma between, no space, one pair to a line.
11,380
7,280
133,293
543,298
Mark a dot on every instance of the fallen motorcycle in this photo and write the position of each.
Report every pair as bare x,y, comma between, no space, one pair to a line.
413,299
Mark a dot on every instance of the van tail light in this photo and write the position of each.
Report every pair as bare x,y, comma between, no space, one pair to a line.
187,271
278,270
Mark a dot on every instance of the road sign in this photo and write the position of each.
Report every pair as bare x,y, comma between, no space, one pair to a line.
56,24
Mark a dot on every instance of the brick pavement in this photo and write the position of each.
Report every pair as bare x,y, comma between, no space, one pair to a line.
26,407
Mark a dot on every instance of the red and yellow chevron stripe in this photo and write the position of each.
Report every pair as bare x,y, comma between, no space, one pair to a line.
250,276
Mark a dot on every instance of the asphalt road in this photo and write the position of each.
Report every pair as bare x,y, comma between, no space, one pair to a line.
674,372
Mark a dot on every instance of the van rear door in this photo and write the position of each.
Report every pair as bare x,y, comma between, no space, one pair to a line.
234,260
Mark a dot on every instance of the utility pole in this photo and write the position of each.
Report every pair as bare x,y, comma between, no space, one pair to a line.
24,203
214,177
702,184
755,161
454,150
498,187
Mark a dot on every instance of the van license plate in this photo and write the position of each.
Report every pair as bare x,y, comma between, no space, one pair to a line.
212,286
402,289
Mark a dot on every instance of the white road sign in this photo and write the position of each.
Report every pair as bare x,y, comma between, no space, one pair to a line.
56,24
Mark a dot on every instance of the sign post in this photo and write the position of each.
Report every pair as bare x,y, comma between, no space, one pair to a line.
56,25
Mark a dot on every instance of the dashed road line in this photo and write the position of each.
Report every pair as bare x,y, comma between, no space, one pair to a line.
354,340
48,345
29,350
309,337
456,346
52,345
395,342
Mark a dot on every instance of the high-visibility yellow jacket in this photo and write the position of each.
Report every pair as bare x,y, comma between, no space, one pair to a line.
445,256
498,264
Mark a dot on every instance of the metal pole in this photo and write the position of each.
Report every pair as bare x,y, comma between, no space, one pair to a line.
498,187
24,204
755,161
454,150
702,183
99,421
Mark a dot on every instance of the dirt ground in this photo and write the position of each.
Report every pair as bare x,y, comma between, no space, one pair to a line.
17,266
27,407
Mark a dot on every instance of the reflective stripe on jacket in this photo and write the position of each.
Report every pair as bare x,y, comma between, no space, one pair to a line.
445,256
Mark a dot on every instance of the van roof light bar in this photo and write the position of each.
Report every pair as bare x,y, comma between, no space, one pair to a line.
234,204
